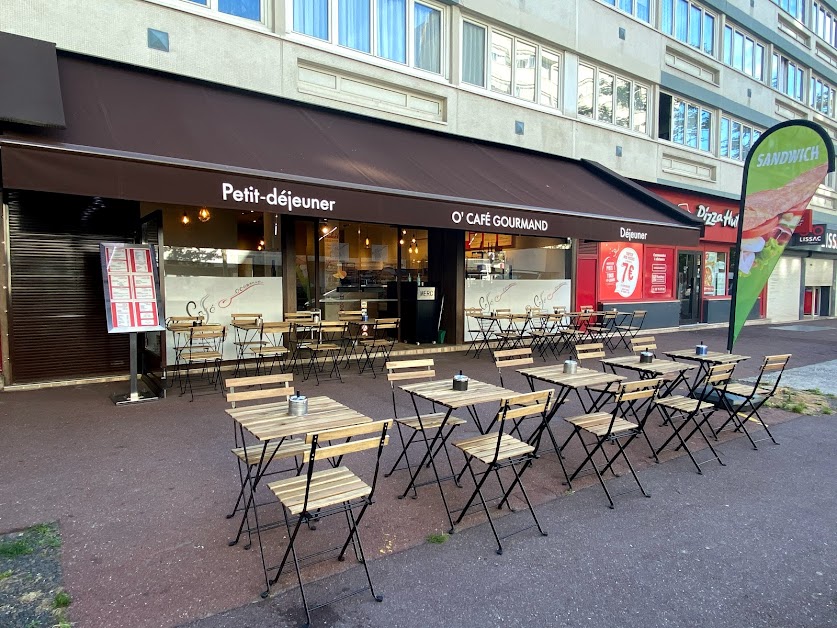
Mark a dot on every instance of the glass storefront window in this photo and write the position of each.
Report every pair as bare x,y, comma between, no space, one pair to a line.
715,274
515,272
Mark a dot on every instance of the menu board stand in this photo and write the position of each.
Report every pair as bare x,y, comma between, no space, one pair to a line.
132,305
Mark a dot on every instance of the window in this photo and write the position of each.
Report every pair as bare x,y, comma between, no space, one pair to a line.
637,8
515,67
743,53
787,77
404,31
825,25
716,272
685,123
690,23
736,138
248,9
613,99
822,96
795,7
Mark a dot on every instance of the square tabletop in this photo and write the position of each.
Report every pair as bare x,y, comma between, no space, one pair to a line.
656,367
712,357
582,378
442,393
268,423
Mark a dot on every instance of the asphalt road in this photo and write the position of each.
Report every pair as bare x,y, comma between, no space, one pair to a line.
750,544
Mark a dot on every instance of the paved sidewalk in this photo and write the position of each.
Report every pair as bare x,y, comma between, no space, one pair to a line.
140,495
751,544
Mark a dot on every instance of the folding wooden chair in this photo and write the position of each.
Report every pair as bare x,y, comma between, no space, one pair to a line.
381,342
333,490
643,343
271,392
602,330
324,345
501,450
476,328
694,411
743,401
630,327
204,350
615,428
584,353
512,357
271,345
419,424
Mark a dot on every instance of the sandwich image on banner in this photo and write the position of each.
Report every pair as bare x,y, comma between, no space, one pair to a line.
781,175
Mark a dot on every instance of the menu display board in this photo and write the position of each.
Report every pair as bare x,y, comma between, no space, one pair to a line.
659,273
620,271
132,287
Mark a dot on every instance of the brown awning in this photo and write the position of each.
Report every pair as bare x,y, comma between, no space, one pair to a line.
136,135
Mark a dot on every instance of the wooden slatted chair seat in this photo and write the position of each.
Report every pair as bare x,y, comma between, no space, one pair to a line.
745,390
429,421
484,447
289,448
684,404
269,350
598,424
200,354
328,487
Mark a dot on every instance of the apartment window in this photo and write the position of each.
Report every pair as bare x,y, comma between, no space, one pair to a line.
743,53
736,138
513,66
787,77
637,8
825,25
684,122
795,7
822,96
610,98
247,9
404,31
690,23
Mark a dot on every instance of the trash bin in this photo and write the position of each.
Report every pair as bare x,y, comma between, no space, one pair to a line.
442,333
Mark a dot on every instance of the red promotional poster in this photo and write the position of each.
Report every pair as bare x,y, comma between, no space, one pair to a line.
659,273
620,271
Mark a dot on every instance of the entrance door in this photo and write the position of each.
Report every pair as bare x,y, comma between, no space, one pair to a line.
688,286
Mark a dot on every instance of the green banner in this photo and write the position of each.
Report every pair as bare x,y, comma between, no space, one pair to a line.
781,175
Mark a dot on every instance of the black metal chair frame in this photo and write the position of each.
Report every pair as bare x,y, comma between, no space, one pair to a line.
318,506
743,401
207,342
629,328
514,453
629,401
384,335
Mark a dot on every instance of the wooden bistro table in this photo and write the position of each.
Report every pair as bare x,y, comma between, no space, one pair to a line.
655,368
272,425
441,393
711,358
487,324
595,383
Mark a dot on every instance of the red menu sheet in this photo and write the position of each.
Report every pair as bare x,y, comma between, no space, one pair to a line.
131,295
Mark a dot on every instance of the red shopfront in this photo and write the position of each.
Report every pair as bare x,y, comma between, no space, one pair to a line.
675,285
704,274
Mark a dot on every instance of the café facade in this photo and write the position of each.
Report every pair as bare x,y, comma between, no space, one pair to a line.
258,204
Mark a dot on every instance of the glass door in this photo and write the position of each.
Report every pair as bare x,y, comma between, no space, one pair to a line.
688,285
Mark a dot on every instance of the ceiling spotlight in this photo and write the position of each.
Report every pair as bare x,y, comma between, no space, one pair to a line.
185,220
204,214
325,229
367,241
401,241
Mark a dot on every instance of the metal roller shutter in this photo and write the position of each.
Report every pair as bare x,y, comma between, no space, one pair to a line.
783,290
57,325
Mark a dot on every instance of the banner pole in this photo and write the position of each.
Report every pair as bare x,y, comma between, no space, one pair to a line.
737,255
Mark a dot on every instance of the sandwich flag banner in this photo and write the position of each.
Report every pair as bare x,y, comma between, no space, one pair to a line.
782,172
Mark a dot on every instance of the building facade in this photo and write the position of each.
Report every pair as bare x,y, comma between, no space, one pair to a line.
295,154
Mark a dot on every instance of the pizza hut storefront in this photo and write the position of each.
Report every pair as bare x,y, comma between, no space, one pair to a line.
703,275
